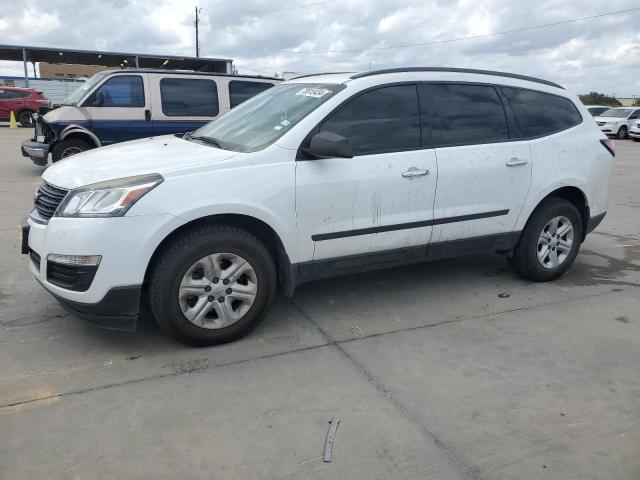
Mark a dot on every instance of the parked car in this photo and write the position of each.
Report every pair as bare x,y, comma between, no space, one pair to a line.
120,105
634,131
616,121
596,110
319,176
23,102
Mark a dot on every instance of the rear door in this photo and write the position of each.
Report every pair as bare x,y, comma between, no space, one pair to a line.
182,103
483,175
120,108
379,201
4,104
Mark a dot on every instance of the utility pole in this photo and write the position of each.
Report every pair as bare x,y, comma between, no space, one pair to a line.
197,39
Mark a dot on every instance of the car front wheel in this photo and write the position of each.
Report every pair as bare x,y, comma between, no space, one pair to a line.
622,133
69,147
549,242
212,285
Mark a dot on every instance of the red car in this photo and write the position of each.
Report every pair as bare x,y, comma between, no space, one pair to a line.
23,102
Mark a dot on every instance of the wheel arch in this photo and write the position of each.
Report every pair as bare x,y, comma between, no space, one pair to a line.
258,228
574,195
78,131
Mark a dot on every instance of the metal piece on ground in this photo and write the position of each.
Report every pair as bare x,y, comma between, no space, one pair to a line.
331,435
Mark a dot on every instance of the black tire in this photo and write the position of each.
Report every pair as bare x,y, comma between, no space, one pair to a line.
180,254
25,119
525,255
623,133
63,149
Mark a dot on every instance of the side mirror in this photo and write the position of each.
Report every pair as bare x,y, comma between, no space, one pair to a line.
329,145
99,99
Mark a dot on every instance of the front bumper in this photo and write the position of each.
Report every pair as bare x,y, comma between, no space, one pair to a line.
634,133
118,310
126,244
36,151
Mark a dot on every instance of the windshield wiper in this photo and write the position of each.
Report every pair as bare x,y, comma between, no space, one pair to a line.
208,140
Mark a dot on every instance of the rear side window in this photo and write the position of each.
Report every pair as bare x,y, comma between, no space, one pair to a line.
467,114
189,97
382,120
239,91
119,91
541,113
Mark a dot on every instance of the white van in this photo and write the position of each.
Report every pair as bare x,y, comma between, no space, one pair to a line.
119,105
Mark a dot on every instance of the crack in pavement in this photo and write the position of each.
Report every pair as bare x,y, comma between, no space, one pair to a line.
469,471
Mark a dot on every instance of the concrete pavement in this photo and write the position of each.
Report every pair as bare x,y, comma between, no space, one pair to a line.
450,380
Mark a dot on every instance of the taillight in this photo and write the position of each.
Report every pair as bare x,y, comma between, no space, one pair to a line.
608,144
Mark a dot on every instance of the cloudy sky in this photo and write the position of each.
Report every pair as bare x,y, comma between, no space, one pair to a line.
265,37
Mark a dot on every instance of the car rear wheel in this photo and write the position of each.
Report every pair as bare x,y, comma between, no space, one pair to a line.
549,242
212,285
25,118
69,147
622,133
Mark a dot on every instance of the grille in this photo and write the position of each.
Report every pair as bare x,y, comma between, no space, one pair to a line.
35,258
48,198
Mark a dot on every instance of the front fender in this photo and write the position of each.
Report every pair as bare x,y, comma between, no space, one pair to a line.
79,129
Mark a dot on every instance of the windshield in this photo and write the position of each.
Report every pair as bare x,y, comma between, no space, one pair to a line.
617,112
77,95
261,120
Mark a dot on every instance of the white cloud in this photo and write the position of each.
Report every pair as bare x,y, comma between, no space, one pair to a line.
599,54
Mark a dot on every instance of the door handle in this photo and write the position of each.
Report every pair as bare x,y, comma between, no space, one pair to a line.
415,172
147,115
515,161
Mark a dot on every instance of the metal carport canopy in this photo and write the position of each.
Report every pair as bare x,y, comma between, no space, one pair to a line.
25,53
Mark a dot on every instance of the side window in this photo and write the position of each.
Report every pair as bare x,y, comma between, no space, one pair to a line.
541,113
635,115
467,114
3,94
239,91
383,120
189,97
119,91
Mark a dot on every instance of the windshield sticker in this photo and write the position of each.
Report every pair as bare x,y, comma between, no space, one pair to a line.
278,127
285,123
313,92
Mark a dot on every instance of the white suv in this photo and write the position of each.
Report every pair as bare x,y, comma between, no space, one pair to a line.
319,176
618,121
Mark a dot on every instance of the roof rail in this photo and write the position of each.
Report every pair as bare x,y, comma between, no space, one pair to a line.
316,74
459,70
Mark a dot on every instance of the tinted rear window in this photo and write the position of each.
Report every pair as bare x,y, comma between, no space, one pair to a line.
189,97
239,91
382,120
467,114
541,113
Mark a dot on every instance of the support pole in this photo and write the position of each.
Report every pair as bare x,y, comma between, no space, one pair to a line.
137,64
24,62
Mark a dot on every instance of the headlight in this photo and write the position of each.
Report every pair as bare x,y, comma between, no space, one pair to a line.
107,199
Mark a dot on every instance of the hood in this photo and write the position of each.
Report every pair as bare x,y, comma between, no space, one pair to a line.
67,114
166,155
608,119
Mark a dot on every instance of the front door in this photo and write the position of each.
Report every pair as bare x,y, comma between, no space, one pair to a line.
121,108
483,176
381,200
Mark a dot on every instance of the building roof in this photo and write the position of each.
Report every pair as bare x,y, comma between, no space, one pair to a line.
113,59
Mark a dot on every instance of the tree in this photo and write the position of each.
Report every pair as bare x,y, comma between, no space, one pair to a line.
595,98
636,102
